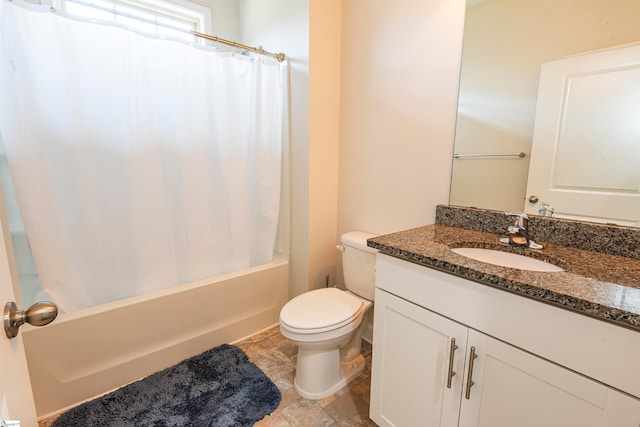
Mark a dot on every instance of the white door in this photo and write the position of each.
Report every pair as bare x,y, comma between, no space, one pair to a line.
515,388
412,363
586,141
15,387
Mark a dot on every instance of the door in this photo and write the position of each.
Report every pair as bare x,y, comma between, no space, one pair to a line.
585,150
411,365
515,388
15,387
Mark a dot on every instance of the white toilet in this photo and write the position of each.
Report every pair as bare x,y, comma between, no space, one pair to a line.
327,324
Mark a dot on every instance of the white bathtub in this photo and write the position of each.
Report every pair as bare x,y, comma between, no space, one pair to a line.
84,354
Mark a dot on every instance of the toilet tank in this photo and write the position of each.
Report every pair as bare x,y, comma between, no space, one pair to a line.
358,263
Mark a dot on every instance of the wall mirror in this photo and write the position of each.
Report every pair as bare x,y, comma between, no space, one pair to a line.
505,44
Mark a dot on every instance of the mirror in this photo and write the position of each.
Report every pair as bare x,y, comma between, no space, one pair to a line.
505,44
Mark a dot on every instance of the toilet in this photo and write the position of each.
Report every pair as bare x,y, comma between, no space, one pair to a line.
327,324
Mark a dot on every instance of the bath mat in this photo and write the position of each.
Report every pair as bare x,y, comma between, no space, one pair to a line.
219,387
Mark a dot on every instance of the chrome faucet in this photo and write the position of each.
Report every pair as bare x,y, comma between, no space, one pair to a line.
545,209
518,233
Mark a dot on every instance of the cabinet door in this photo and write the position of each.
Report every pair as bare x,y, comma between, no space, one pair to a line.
411,365
515,388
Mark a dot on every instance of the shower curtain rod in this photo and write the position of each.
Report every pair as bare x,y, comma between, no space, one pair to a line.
279,56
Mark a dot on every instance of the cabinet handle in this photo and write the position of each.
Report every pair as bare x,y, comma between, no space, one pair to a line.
472,358
452,350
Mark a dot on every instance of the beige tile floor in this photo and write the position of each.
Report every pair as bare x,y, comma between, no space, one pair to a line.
272,353
276,356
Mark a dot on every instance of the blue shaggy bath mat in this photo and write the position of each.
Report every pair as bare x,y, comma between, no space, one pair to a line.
219,387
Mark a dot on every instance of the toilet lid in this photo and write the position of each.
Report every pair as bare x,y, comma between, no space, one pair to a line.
321,308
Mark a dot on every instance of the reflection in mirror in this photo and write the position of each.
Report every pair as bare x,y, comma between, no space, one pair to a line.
585,151
505,44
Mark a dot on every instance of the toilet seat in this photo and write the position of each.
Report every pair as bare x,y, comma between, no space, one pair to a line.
321,310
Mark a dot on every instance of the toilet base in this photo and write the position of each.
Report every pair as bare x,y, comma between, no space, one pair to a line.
348,371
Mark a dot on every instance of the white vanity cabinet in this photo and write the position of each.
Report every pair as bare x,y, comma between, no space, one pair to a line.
424,335
515,388
410,365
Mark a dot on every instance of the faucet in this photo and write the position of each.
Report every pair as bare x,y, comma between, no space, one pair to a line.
545,209
518,233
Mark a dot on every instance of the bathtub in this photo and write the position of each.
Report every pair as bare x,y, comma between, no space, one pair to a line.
85,354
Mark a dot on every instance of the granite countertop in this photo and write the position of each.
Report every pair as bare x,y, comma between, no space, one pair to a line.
599,285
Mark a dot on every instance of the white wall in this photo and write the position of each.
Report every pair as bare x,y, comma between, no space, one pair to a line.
505,44
400,65
224,18
400,68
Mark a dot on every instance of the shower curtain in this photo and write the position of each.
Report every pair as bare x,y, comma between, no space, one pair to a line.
138,163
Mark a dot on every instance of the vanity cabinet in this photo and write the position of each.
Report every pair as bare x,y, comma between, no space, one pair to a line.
433,369
515,388
410,365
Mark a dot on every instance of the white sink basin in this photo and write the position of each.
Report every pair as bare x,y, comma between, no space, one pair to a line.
507,259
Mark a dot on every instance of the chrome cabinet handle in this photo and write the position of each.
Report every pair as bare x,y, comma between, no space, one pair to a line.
452,350
39,314
472,358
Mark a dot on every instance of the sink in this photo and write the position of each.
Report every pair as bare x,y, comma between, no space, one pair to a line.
507,259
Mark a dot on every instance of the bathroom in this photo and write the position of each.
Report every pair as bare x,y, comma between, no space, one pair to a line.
374,99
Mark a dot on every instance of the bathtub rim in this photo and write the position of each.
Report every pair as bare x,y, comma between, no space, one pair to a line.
64,316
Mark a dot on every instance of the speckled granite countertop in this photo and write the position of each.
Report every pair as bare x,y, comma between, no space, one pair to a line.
603,286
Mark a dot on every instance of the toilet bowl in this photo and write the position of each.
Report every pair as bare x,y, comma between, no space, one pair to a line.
327,324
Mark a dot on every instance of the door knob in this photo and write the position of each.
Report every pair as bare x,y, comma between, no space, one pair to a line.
39,314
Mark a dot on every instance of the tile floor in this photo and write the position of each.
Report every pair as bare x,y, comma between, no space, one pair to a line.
276,356
272,353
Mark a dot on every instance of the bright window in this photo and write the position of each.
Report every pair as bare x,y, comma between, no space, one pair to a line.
176,19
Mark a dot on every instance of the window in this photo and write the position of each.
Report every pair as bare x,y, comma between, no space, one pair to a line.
176,19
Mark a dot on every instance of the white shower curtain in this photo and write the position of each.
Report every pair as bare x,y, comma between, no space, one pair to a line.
138,163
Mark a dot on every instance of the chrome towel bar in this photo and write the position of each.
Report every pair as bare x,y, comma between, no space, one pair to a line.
519,155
